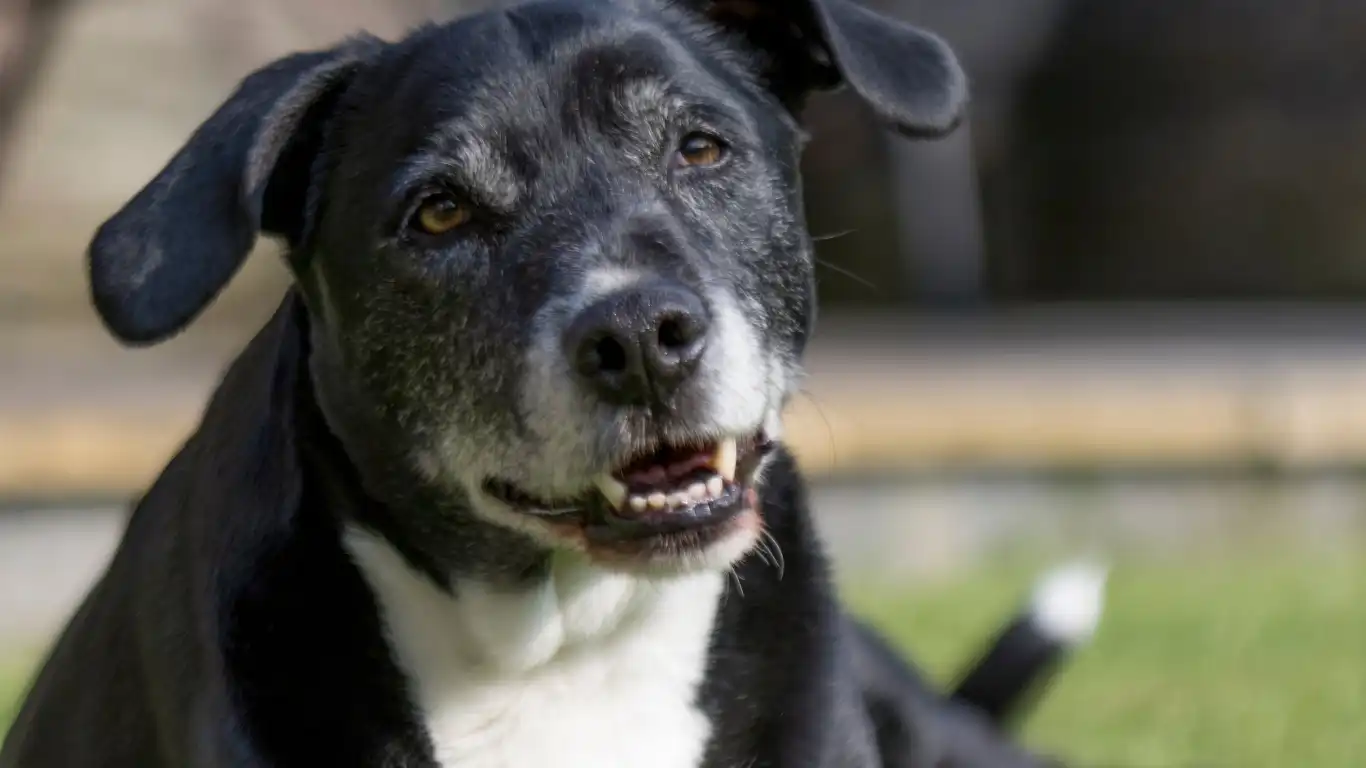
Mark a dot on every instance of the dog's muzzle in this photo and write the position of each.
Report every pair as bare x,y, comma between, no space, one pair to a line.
680,483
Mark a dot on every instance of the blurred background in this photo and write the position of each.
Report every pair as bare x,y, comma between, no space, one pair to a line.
1118,315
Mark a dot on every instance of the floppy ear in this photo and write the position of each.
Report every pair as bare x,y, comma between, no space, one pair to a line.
158,262
909,77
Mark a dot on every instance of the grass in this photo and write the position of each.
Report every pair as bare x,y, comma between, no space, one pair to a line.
14,679
1241,662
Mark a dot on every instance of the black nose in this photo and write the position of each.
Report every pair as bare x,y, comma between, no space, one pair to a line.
637,346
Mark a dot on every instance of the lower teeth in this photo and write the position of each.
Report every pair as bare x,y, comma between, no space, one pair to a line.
697,493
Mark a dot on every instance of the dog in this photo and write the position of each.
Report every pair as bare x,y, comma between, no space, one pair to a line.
502,481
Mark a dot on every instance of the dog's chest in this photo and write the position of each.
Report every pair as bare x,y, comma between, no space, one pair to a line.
631,711
587,670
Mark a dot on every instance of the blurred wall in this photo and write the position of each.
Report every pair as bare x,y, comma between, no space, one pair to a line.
1115,148
1206,147
1161,149
125,82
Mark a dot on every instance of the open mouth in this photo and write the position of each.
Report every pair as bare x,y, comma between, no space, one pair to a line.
672,490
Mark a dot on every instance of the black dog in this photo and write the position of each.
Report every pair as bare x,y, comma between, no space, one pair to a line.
501,483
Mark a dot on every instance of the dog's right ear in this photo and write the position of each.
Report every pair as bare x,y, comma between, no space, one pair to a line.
909,77
158,262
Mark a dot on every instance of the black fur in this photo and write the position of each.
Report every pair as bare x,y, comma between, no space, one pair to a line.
404,371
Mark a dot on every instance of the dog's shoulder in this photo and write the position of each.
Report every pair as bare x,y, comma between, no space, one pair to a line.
134,634
228,607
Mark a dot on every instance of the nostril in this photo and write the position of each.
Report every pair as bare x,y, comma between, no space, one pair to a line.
636,346
674,334
611,355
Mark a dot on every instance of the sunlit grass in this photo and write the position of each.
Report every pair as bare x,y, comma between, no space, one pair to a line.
1242,662
14,680
1230,662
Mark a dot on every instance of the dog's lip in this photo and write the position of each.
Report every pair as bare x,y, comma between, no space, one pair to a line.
624,497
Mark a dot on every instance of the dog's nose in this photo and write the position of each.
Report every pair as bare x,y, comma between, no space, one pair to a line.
635,347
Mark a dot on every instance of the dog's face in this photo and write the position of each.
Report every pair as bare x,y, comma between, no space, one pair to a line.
554,255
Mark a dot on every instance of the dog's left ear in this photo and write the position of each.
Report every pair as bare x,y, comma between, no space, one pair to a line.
909,77
159,261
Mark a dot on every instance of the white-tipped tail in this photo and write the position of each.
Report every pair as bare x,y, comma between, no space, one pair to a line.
1068,602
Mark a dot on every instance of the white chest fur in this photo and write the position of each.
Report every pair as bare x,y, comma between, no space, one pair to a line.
587,670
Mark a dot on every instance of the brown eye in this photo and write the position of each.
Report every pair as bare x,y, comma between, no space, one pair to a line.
440,214
700,150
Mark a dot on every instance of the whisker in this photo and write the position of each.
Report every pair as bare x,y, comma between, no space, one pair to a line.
852,276
771,545
735,577
829,430
761,552
831,236
842,270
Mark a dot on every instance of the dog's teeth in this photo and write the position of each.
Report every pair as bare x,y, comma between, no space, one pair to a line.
612,489
724,459
698,491
639,503
715,486
678,500
657,500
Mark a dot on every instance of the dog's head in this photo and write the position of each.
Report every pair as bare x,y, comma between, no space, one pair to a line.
554,256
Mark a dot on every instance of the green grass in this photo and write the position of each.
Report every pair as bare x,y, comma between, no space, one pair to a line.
14,679
1236,662
1240,662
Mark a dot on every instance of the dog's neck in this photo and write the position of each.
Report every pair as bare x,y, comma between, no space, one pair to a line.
577,666
573,607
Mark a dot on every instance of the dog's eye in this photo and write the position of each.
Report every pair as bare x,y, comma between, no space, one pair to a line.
700,150
440,214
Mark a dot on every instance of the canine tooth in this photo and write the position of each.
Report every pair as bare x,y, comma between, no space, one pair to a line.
725,459
657,500
698,491
638,503
678,500
612,489
715,486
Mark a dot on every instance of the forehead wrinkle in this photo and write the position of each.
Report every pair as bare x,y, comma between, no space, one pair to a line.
652,97
667,81
698,85
471,161
649,96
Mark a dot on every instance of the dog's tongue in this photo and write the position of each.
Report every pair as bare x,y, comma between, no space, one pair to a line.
664,466
671,478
